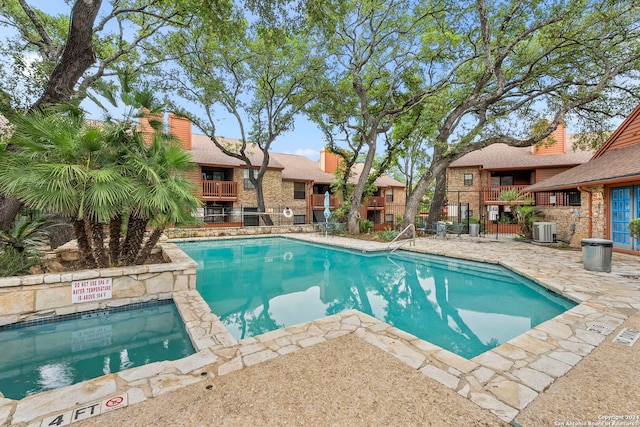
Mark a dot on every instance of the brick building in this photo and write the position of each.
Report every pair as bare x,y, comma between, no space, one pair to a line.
609,188
291,181
476,180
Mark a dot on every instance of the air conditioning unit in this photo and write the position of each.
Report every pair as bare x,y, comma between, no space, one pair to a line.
544,232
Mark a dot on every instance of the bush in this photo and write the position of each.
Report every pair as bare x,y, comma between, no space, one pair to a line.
634,227
364,225
388,234
15,263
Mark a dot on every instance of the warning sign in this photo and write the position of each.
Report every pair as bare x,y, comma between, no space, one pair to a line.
91,290
86,411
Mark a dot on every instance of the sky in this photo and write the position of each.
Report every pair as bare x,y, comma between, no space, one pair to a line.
305,139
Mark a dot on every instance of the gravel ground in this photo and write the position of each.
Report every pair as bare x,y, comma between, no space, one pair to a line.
341,382
602,388
348,382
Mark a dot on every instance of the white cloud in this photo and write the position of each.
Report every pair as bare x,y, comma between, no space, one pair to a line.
308,152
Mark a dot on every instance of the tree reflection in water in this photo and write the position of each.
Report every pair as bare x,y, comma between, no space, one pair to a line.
258,285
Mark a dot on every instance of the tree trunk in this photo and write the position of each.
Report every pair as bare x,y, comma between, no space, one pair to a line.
97,234
84,248
151,243
413,201
358,192
261,205
9,209
135,235
77,56
115,228
61,234
439,196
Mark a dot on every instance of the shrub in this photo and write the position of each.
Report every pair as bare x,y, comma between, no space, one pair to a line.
634,227
364,225
15,263
388,234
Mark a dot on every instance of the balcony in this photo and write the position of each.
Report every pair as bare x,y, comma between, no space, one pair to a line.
318,201
375,203
220,190
491,195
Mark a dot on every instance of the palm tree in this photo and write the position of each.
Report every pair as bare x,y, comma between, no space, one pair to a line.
99,176
59,164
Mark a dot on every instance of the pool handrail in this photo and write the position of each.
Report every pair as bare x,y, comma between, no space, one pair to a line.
412,240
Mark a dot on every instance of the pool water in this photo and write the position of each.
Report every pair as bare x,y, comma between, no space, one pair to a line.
258,285
79,347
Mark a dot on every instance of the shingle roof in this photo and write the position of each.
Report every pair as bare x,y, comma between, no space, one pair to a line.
301,168
615,165
383,181
503,156
204,151
294,167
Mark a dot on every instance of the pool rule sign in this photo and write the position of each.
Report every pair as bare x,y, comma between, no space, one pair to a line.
91,290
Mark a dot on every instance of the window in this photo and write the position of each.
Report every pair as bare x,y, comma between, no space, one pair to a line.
248,185
388,218
299,192
299,219
574,198
468,179
389,195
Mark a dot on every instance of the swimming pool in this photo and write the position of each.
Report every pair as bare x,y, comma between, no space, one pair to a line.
51,353
258,285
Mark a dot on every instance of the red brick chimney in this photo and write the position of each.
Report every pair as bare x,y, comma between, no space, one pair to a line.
328,161
180,127
558,147
145,128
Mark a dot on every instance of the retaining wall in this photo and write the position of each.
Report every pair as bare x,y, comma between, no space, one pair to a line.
42,295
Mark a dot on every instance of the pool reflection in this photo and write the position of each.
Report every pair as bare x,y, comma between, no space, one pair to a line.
258,285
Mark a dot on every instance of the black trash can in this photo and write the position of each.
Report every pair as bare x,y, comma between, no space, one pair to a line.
596,254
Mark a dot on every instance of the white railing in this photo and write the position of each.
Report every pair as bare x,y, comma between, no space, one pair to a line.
411,240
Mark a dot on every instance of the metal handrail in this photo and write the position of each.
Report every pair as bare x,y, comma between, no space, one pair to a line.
412,240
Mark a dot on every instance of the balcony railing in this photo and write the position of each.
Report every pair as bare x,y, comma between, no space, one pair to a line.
376,202
220,189
318,201
492,194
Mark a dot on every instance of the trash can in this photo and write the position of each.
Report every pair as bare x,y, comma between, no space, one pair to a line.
474,230
596,254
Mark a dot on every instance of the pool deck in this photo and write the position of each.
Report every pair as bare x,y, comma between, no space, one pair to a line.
566,370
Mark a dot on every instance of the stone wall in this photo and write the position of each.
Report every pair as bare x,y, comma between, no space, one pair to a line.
185,233
587,223
43,295
564,217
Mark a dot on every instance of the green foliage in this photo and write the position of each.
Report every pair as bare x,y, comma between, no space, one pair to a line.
100,176
526,216
474,220
16,263
365,225
388,234
26,234
634,227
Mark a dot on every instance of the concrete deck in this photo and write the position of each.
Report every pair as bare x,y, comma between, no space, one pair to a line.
497,387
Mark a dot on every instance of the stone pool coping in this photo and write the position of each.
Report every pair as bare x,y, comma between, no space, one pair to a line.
503,380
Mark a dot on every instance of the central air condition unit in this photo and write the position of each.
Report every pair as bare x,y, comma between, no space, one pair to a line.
544,232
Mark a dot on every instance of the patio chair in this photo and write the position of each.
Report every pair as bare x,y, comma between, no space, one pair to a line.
455,228
441,229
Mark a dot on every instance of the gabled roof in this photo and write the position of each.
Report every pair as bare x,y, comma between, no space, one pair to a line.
301,168
503,156
294,167
205,152
622,164
618,160
382,181
625,134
